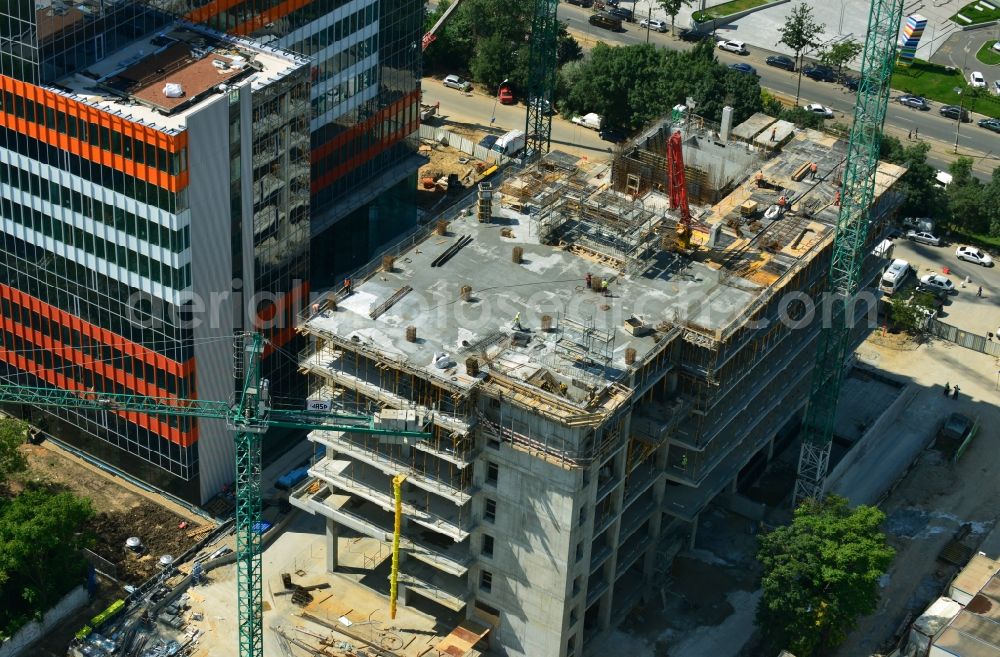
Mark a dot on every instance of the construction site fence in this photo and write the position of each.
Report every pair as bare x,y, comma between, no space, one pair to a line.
464,144
26,637
963,338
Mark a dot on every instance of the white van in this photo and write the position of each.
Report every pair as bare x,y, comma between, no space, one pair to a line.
894,276
510,144
883,249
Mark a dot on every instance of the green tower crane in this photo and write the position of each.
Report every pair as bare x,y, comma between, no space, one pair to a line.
843,283
249,417
541,76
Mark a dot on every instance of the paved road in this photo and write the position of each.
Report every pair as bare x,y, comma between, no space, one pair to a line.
964,309
974,141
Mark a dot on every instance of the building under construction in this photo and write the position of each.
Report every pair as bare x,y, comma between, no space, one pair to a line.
589,383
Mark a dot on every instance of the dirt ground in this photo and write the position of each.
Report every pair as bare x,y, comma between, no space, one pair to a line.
445,160
122,511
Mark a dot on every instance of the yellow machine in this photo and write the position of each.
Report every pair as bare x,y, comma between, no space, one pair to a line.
397,493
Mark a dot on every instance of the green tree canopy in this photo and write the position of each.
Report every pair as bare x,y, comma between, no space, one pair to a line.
800,31
909,315
840,54
820,573
922,197
41,535
13,434
631,86
672,7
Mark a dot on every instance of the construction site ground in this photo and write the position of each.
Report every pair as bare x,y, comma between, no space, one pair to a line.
926,499
935,497
123,510
445,160
299,551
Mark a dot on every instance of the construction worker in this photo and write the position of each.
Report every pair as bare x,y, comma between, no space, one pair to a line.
782,202
604,286
759,178
347,286
812,170
774,133
836,198
517,322
588,279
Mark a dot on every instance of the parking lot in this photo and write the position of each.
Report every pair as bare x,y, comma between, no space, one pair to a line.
963,308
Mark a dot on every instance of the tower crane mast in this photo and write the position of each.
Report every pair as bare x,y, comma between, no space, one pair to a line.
541,76
249,417
849,247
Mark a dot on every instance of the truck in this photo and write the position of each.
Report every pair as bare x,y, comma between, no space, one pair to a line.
920,639
510,144
592,121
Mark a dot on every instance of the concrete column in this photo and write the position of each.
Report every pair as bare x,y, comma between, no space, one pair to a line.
694,531
332,533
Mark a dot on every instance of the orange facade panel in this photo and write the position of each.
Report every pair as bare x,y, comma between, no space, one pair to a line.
137,132
96,333
336,142
362,157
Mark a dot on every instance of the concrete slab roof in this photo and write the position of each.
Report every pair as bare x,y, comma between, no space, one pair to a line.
548,281
753,126
567,224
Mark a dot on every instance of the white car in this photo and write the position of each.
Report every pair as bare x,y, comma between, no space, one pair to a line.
456,82
996,46
654,24
737,47
972,254
937,283
923,237
822,110
976,79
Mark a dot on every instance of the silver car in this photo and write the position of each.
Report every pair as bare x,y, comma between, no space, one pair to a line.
972,254
456,82
923,237
654,24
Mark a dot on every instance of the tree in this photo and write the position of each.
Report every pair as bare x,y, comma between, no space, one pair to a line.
568,49
922,197
799,32
991,198
966,196
820,573
841,54
41,535
910,315
632,86
13,433
672,7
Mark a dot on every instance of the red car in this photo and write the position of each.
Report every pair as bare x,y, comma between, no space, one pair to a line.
506,96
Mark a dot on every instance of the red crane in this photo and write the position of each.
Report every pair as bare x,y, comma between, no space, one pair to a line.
678,187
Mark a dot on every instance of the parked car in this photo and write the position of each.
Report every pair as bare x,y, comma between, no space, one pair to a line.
972,254
456,82
936,283
653,24
954,111
822,110
780,61
581,3
737,47
819,72
990,124
746,69
996,46
613,135
996,86
506,96
923,237
915,102
488,141
622,13
543,105
850,82
687,34
953,432
977,80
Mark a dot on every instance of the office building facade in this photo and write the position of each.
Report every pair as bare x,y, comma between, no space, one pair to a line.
154,201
